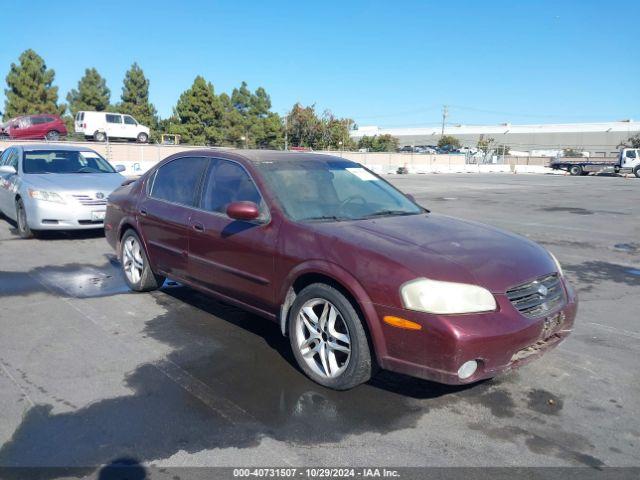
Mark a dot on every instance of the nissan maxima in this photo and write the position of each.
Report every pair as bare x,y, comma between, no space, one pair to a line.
353,271
55,188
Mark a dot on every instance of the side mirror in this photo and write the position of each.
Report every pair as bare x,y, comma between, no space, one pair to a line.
243,211
8,169
120,168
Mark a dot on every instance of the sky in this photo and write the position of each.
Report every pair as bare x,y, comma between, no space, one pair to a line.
385,63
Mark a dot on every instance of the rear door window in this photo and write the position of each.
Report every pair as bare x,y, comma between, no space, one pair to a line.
113,118
179,180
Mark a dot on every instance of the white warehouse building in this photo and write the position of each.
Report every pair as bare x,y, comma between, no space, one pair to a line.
599,139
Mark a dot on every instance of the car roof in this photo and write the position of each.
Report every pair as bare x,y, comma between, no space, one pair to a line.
35,147
263,156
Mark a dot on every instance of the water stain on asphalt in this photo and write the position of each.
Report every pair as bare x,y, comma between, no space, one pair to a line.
499,402
627,247
69,280
576,210
581,211
545,402
591,273
567,446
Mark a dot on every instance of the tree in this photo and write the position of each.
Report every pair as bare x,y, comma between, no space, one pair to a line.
248,120
31,88
379,143
306,129
501,149
635,141
485,144
571,152
92,93
449,140
198,115
135,98
303,126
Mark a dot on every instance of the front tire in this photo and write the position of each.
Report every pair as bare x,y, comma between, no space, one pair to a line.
135,264
21,219
636,171
328,338
142,137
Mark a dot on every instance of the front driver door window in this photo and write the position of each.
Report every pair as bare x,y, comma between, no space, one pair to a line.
130,126
230,256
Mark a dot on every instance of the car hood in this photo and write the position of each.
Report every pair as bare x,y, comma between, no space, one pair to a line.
76,182
449,249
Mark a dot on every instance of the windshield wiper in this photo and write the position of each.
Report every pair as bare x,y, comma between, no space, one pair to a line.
326,217
384,213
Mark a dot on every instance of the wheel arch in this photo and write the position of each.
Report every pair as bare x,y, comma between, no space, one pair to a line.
345,283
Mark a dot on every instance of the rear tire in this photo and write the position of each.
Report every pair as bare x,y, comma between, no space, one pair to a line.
21,219
329,341
575,170
100,136
142,137
53,135
135,264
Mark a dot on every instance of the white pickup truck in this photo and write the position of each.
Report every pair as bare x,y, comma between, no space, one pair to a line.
627,161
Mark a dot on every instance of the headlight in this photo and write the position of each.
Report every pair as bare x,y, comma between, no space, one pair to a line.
557,263
433,296
46,196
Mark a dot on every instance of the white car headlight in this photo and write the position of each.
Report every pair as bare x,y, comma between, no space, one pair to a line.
557,263
45,196
433,296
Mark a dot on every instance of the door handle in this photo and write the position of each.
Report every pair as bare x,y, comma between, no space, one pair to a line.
143,212
198,227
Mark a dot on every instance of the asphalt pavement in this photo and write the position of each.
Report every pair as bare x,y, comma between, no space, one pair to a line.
90,372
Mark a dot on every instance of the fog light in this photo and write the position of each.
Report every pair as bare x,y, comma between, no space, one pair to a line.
467,369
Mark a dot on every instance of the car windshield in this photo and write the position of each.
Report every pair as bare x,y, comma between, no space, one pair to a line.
333,190
65,161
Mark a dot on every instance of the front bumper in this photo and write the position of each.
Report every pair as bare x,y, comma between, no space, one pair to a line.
42,215
499,341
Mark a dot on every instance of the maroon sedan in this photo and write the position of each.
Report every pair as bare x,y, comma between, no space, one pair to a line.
354,272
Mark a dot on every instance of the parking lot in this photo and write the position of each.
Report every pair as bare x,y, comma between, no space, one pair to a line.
90,372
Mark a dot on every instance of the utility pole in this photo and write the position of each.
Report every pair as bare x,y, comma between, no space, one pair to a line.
286,134
445,114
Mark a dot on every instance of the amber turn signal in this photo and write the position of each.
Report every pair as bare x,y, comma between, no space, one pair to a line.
401,323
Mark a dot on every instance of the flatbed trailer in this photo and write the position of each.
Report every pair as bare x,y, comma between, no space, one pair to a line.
628,161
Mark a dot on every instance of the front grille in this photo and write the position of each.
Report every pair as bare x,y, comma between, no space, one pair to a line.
535,299
90,222
90,201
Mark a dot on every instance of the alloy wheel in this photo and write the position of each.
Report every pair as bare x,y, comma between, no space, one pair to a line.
323,338
132,261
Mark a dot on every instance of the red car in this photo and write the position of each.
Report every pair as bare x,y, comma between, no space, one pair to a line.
32,127
353,271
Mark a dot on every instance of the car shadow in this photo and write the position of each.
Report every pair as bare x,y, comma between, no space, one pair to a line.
270,332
